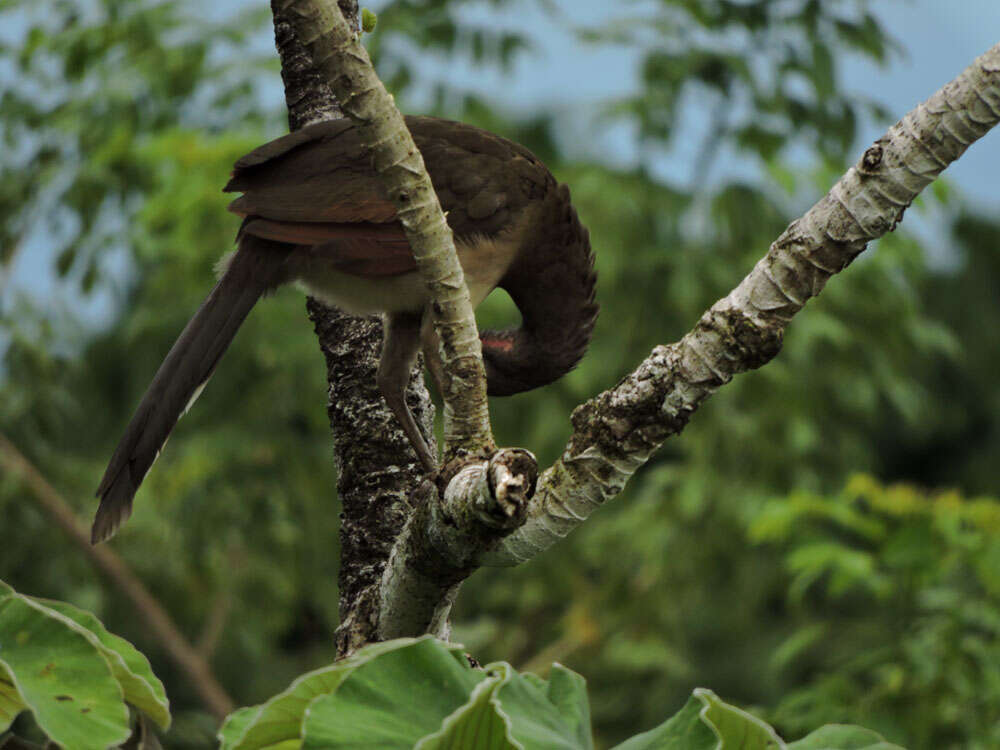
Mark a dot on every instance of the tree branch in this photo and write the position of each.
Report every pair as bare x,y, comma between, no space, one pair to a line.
187,658
458,520
616,432
338,55
446,536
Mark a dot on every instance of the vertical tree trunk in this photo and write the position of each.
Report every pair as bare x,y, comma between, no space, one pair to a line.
375,465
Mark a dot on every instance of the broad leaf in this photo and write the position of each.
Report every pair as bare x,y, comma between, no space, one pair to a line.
61,676
141,687
392,701
707,723
734,727
280,719
685,730
479,723
536,722
567,691
10,700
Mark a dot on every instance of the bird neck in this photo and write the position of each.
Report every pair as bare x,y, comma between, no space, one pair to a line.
552,283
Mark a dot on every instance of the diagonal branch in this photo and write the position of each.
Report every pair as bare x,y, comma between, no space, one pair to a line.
617,431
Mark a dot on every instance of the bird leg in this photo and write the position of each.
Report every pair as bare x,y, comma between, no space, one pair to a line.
431,345
399,350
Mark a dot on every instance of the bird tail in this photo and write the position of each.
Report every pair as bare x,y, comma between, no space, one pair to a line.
254,269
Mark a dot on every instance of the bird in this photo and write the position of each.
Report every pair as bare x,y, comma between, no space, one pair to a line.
316,214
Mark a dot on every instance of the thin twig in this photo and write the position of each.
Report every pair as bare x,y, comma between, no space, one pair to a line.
200,675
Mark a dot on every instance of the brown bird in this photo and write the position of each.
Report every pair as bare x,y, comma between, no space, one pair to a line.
316,214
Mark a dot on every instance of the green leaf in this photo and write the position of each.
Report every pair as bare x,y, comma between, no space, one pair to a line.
866,36
707,723
62,676
683,731
822,71
368,20
392,701
479,723
280,718
236,725
734,727
536,722
141,687
568,693
10,700
843,737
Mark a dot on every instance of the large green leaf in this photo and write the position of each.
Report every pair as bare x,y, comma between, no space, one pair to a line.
708,723
420,694
392,701
237,724
280,718
141,687
61,676
683,731
734,727
509,710
567,691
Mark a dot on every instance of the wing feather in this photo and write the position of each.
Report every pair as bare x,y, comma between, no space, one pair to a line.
363,249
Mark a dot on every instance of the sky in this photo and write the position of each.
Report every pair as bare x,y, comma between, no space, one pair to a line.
938,37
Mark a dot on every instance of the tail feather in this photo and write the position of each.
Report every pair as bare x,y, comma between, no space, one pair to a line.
256,268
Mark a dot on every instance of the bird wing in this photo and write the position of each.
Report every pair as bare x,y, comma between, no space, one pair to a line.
362,249
316,187
321,173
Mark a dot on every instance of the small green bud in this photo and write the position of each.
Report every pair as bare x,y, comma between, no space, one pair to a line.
368,20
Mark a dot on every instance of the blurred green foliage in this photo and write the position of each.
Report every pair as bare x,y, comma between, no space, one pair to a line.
119,121
894,596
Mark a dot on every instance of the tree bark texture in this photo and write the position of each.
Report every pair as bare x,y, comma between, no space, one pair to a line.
475,503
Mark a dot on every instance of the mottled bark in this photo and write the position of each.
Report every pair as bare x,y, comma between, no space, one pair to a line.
417,592
376,467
